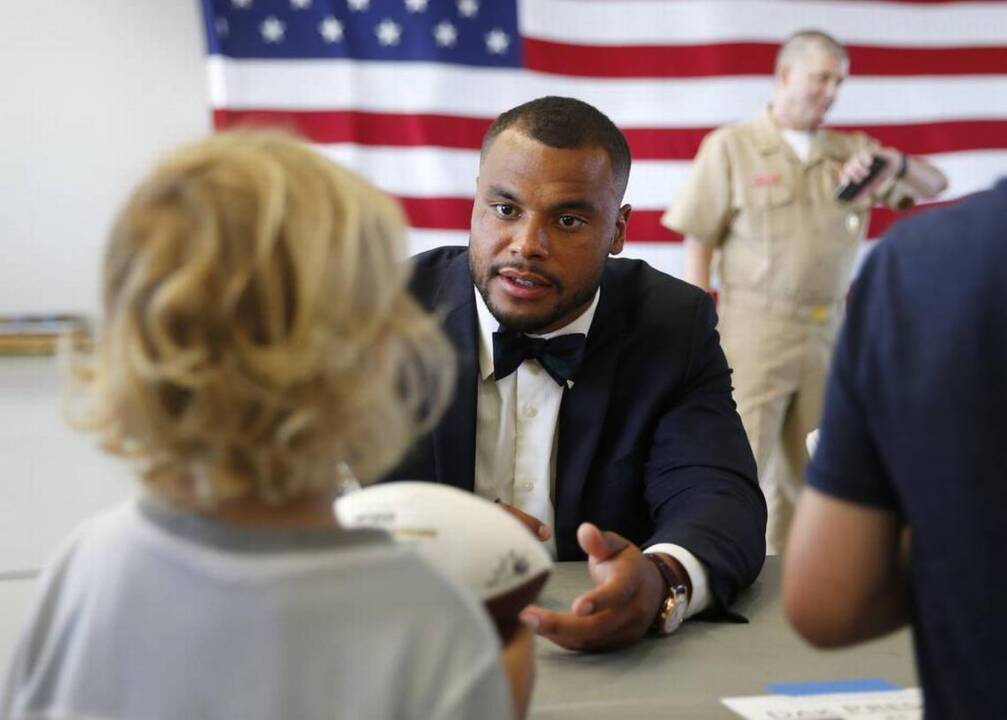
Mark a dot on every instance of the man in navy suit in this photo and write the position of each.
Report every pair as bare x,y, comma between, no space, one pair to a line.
903,517
593,396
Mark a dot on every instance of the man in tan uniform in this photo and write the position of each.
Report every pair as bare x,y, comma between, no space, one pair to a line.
762,195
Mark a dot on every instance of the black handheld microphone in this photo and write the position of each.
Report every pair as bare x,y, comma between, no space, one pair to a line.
849,190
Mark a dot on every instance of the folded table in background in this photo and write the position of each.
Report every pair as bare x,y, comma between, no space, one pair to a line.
38,334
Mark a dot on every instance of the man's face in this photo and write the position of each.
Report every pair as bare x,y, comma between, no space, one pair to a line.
807,87
543,222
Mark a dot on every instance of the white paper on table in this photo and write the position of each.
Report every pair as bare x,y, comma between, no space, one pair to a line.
876,705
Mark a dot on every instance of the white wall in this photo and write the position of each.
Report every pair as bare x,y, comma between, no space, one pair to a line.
51,478
93,92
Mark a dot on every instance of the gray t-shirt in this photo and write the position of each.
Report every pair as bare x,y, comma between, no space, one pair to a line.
146,613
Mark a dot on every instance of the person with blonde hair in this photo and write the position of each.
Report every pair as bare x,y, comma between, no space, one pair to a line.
258,343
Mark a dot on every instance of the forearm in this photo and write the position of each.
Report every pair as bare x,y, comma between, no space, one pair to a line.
518,660
925,179
701,476
845,575
698,256
890,609
889,612
835,624
723,526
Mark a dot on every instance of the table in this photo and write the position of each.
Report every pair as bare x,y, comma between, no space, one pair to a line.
55,477
685,675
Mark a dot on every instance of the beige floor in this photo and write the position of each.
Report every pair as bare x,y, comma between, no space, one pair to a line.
51,478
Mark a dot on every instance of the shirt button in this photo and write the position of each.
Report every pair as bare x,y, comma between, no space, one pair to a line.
530,411
526,486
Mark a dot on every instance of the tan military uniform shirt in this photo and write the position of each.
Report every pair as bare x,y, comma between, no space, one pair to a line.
785,254
780,232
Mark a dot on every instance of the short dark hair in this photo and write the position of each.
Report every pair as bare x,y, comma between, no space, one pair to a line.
566,123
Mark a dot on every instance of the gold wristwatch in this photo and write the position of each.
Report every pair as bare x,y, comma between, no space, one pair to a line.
671,612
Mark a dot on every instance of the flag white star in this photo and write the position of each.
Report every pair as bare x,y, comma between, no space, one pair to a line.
242,3
445,34
331,29
416,6
389,32
358,5
300,4
223,29
468,8
497,41
272,29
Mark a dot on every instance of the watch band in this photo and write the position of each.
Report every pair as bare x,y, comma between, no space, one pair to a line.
671,612
903,166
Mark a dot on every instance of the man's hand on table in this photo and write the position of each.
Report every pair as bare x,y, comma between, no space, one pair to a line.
618,610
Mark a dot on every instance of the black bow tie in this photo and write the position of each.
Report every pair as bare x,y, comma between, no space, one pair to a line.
560,355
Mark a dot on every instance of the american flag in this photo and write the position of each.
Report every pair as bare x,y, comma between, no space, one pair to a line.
402,90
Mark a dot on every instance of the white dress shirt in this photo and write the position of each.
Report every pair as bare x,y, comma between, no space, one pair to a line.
516,439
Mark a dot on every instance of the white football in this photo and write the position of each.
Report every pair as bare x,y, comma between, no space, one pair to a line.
473,541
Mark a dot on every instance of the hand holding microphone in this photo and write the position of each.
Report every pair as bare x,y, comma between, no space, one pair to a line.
857,174
867,169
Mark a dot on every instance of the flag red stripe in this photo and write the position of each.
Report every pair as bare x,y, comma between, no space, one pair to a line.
913,138
453,213
365,128
400,130
446,213
645,225
882,218
935,2
748,58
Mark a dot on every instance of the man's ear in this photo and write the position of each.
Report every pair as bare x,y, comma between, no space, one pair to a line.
783,74
620,230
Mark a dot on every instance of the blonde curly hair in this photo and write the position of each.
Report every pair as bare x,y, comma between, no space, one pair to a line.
257,328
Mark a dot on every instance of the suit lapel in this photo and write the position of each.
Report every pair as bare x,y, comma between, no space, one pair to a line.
582,412
455,437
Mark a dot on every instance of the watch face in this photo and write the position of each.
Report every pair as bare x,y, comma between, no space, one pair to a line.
673,612
672,609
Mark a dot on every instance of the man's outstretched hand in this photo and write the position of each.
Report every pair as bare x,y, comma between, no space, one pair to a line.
621,606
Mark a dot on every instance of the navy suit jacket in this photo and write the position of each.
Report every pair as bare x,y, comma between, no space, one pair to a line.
650,444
